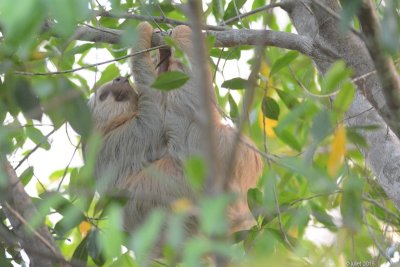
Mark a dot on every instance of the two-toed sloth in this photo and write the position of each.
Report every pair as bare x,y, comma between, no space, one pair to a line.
148,135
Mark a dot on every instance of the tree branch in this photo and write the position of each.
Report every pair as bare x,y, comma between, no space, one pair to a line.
18,207
384,65
203,80
227,38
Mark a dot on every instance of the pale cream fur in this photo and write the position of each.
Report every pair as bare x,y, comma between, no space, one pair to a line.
149,135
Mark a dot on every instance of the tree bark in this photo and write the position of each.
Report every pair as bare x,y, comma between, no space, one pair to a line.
17,205
383,153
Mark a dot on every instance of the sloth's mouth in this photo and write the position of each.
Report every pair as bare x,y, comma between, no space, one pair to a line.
163,65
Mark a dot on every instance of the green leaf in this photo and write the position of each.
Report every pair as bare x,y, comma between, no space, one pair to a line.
235,83
54,176
233,7
322,216
321,126
356,138
212,215
90,152
318,180
351,206
233,108
66,102
146,235
344,99
170,80
67,13
255,200
4,261
210,41
283,62
296,114
196,172
227,54
72,215
109,199
37,137
26,176
270,108
350,8
336,75
75,110
112,233
20,23
108,74
286,136
125,260
79,49
391,25
95,250
81,252
289,101
27,100
176,230
218,8
130,35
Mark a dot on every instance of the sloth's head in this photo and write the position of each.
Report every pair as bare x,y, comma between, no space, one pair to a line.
112,101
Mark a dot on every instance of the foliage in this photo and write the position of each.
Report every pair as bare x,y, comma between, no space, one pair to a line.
315,181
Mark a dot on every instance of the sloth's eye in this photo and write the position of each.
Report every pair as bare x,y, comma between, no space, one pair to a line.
103,95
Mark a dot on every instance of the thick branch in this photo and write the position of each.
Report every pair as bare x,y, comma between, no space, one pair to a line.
384,65
227,38
19,209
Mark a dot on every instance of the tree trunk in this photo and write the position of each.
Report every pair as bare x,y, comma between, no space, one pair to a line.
383,153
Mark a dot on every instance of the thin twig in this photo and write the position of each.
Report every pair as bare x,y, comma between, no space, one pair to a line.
376,203
25,223
252,12
203,80
34,149
87,66
163,19
67,167
308,92
372,235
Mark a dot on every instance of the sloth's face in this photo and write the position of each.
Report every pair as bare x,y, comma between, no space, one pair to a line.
112,100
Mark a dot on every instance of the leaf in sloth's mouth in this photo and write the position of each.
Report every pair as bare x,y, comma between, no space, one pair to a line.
168,80
163,65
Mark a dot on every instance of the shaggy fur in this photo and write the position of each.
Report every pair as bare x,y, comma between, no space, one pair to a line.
148,135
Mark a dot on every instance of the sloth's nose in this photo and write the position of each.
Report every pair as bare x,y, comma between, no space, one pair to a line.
121,95
121,80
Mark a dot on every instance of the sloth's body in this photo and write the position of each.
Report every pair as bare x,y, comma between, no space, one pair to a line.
149,134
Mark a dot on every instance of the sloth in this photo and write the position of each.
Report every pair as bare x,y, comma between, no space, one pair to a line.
148,135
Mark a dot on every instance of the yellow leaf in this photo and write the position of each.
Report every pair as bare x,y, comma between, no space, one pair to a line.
181,205
84,228
37,55
270,124
264,69
338,150
266,81
294,231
